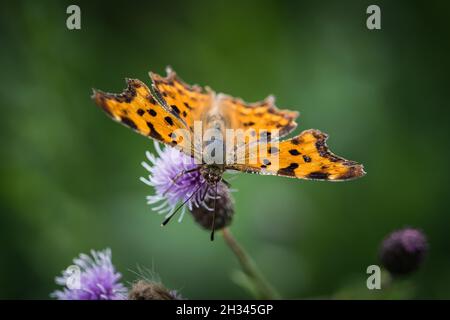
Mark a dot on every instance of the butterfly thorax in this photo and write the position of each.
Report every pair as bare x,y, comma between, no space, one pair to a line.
212,173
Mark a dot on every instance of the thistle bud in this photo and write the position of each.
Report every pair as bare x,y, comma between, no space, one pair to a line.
224,211
148,290
403,251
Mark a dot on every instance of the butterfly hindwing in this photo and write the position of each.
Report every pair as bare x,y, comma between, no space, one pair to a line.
137,109
305,156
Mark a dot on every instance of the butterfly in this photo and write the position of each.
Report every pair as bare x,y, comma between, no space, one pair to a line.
171,106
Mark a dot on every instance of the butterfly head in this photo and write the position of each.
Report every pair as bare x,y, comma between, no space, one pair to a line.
212,173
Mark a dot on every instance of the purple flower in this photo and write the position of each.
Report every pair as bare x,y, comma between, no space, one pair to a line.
403,251
171,185
91,278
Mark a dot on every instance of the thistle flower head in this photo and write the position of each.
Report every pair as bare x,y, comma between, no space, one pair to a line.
174,178
91,278
403,251
224,210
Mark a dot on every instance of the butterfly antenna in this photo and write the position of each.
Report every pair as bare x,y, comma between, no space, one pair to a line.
180,206
214,215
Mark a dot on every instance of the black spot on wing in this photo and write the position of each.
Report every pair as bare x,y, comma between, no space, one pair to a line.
289,170
140,112
318,175
153,132
152,112
127,121
175,109
294,152
169,120
306,158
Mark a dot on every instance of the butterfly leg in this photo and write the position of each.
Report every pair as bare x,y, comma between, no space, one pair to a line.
180,206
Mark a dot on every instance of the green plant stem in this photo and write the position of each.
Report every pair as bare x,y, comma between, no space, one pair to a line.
264,289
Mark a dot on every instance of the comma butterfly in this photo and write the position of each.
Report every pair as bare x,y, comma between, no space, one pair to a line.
171,104
170,111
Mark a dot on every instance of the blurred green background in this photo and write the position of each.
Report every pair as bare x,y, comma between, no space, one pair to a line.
69,175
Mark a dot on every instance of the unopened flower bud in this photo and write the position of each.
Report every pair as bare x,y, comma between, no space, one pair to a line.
403,251
224,210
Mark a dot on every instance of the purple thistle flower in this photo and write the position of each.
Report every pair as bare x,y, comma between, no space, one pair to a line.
97,279
403,251
163,170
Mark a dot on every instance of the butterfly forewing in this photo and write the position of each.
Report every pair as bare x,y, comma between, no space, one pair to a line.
190,103
137,109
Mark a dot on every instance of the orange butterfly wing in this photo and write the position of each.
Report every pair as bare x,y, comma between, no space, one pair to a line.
137,109
305,156
192,102
189,102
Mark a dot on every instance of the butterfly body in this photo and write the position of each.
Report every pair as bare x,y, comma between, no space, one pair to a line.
212,173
